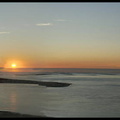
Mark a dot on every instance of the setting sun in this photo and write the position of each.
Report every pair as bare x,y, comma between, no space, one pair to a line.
13,65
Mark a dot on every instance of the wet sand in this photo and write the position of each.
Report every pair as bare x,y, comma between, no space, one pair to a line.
8,114
47,84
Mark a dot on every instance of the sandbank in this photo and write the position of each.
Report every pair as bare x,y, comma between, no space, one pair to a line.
8,114
42,83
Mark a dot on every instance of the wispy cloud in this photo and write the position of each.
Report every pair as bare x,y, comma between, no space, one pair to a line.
61,20
4,32
44,24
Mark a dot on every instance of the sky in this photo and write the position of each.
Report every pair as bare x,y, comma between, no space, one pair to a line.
60,35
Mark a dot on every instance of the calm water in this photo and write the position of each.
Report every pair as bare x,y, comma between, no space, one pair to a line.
93,93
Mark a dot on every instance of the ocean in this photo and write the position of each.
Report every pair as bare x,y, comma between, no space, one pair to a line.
92,93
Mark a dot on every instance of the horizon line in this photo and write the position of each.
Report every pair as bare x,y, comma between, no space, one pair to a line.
54,68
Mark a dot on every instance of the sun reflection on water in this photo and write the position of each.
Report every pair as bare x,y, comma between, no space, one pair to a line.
13,101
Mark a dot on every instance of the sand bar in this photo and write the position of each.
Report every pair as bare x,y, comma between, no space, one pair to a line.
8,114
47,84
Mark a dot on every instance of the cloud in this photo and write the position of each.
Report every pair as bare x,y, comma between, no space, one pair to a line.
44,24
4,32
60,20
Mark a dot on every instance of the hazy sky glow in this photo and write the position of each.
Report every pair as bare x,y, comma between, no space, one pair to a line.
63,35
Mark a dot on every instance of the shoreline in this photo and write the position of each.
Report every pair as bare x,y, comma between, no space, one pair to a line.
42,83
9,114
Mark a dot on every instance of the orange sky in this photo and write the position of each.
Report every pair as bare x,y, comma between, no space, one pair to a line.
61,63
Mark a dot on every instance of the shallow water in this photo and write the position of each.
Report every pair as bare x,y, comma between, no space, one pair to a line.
93,93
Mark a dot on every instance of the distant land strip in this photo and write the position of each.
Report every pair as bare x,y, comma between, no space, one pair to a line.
47,84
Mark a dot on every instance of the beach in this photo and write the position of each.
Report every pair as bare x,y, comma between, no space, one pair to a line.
8,114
